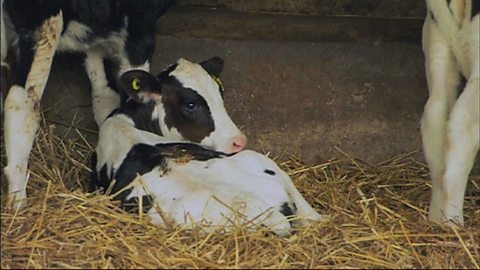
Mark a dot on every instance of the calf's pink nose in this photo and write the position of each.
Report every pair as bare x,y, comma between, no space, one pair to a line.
239,143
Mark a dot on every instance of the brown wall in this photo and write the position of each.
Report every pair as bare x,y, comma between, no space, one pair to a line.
368,8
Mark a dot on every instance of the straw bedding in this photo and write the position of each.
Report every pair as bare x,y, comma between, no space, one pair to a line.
378,220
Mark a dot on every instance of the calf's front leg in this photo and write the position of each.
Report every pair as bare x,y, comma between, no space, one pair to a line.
462,145
22,105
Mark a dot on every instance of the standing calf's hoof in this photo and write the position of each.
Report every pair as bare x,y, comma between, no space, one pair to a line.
17,193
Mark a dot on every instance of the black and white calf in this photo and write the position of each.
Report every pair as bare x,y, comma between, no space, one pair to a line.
123,31
188,106
451,122
186,182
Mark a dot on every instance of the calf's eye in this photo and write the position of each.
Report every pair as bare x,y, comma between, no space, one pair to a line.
190,107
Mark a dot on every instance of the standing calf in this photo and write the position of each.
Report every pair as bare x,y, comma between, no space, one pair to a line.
184,181
451,125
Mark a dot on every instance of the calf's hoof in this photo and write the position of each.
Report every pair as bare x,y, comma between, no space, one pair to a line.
17,193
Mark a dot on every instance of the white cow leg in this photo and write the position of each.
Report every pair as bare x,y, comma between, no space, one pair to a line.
104,98
462,146
22,107
20,126
442,79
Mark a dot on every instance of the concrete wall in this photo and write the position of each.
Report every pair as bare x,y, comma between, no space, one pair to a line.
367,8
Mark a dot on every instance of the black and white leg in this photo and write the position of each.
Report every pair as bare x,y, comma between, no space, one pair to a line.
22,105
139,46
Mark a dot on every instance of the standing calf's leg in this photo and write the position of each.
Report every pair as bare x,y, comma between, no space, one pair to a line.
442,79
22,105
462,146
137,53
139,45
20,126
104,99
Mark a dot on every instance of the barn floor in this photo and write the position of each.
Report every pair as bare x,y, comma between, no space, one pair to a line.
319,89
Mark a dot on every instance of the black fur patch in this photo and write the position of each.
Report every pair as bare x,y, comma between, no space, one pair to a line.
112,70
286,210
187,150
141,159
25,58
141,115
214,67
475,8
270,172
94,181
193,125
165,75
100,179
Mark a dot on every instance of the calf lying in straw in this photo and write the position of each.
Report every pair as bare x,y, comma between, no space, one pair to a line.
186,182
451,125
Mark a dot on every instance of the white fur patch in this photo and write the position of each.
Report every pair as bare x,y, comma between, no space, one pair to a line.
208,191
76,38
126,66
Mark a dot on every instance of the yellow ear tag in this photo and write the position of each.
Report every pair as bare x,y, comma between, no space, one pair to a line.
136,84
219,83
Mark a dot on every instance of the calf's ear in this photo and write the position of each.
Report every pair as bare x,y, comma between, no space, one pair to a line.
140,85
213,66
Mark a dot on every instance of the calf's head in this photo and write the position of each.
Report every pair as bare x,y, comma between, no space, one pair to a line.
186,100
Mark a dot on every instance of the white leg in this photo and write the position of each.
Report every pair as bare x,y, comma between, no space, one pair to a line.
20,126
462,146
442,79
104,99
22,109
